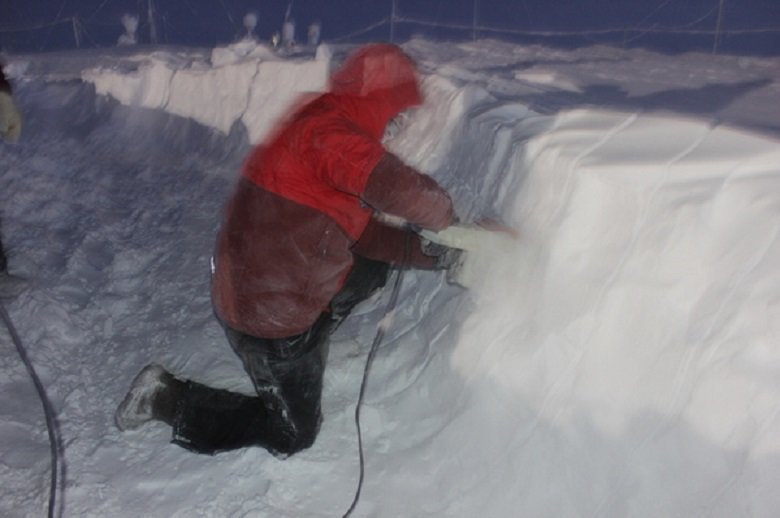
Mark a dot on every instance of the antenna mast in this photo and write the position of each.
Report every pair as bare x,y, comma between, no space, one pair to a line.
717,27
152,24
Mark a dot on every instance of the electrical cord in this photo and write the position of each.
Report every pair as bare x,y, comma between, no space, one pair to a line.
380,333
51,423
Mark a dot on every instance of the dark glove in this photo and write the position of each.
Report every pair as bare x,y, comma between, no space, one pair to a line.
446,257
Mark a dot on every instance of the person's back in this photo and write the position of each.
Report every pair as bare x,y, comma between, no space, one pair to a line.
306,198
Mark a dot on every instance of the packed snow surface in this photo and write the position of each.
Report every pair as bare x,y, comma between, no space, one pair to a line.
621,357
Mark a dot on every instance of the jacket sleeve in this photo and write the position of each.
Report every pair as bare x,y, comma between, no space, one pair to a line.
395,188
393,245
10,118
5,86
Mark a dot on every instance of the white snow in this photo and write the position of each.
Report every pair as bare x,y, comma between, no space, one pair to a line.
621,358
245,82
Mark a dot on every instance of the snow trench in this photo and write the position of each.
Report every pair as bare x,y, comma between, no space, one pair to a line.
619,359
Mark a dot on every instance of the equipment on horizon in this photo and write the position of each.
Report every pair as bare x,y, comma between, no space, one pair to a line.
130,36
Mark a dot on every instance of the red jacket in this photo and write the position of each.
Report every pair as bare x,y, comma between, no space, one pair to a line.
305,201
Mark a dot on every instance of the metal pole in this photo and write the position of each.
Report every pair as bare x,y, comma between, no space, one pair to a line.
152,24
474,20
392,21
76,34
717,27
141,8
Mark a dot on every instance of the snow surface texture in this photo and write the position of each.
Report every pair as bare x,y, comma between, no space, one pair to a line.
620,359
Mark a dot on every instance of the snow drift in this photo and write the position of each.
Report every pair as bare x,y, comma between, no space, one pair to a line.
621,359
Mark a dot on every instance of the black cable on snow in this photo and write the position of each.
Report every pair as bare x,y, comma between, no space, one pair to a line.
380,333
51,423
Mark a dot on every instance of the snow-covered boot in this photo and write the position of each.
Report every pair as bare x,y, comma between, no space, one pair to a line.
152,396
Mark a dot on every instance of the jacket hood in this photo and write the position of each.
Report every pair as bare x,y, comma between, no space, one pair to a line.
382,80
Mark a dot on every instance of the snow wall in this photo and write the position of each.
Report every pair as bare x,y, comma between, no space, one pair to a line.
636,318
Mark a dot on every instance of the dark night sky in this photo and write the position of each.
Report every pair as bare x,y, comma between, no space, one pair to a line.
211,22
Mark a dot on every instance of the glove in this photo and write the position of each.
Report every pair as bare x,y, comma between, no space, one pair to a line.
10,119
446,258
450,259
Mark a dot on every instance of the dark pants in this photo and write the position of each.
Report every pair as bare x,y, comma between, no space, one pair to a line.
284,417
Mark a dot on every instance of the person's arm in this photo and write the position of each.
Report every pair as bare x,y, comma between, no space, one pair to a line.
352,162
10,120
5,86
395,188
397,246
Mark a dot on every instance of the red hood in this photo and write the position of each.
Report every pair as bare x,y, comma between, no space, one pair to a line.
382,82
